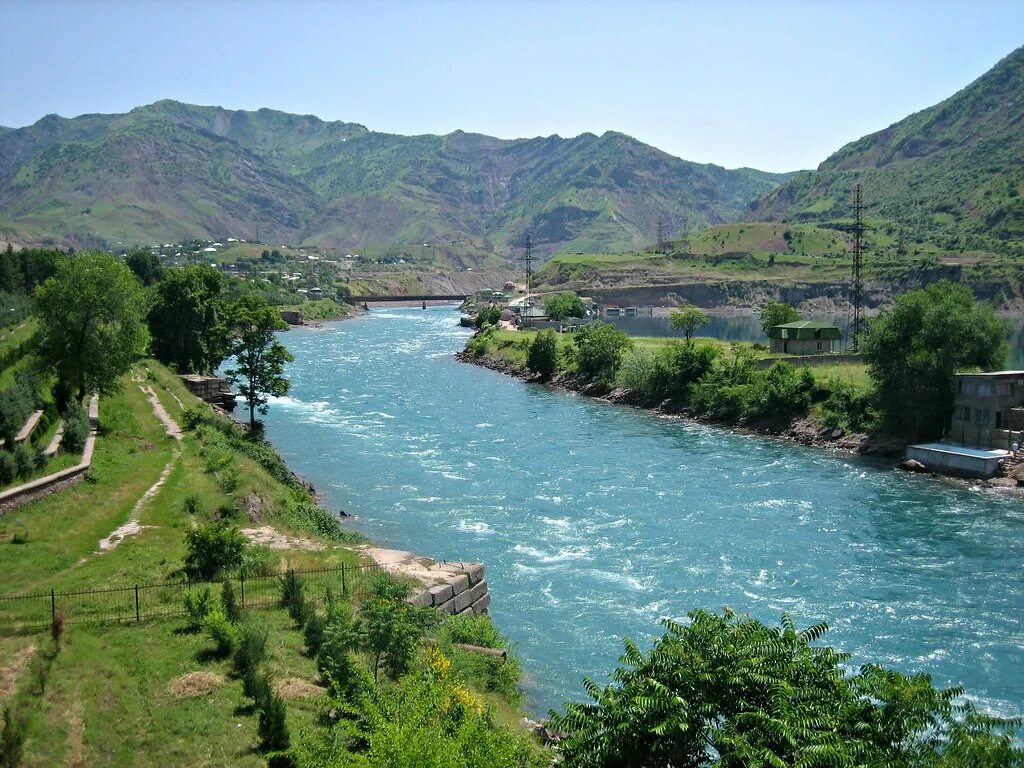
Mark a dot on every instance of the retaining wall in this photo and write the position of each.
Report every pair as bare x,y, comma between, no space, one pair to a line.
456,587
812,360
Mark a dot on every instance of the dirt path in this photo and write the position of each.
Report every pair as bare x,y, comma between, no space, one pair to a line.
133,527
159,411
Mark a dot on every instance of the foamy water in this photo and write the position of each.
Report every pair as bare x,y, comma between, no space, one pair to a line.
596,521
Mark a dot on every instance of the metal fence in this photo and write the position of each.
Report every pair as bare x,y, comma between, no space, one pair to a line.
135,603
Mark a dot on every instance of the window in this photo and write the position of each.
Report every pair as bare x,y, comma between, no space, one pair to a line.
977,415
999,419
984,417
985,389
960,387
820,346
966,416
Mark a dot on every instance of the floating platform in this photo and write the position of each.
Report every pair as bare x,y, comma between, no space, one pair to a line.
957,459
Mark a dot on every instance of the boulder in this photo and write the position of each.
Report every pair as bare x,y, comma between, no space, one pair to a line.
1002,482
912,465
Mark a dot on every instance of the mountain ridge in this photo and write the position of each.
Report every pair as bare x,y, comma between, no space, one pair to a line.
170,170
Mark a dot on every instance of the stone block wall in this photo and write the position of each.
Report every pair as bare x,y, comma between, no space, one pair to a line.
457,587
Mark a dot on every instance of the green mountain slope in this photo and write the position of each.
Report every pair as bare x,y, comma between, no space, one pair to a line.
170,170
952,175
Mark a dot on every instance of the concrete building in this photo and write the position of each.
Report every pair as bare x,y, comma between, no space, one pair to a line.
988,409
804,337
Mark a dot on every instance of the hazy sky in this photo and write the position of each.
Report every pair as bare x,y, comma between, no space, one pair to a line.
773,85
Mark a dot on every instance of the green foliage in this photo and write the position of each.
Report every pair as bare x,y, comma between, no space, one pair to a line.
198,604
145,265
562,306
17,403
272,727
730,691
220,630
91,327
293,598
477,345
601,347
542,357
250,650
393,628
777,313
487,316
76,429
679,366
913,350
779,393
341,636
228,601
213,548
688,319
186,320
12,738
638,372
8,467
259,356
490,672
849,408
259,560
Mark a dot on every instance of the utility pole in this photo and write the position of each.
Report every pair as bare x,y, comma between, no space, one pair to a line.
857,297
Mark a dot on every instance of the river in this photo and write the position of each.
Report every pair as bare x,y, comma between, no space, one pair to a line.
596,520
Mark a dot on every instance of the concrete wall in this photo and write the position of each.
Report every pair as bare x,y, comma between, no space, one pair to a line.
812,360
949,462
456,587
803,346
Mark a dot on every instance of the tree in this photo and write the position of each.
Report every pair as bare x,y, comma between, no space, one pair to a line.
212,549
91,327
777,313
145,265
913,350
601,347
688,320
542,358
393,627
729,691
259,356
564,305
489,315
186,320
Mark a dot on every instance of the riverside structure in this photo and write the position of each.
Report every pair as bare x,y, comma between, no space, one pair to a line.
594,520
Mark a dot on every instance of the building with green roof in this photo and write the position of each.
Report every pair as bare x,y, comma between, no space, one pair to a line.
805,337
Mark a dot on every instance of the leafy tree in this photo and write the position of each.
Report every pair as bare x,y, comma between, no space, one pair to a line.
259,356
213,548
777,313
913,350
145,265
564,305
729,691
393,627
91,327
489,315
186,320
601,347
542,357
688,320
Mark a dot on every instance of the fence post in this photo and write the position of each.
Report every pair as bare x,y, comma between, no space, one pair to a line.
343,586
138,617
53,605
241,580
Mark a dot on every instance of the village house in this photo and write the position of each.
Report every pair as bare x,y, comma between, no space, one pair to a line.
804,337
988,408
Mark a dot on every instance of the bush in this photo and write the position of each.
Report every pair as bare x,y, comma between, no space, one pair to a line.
12,739
229,477
198,605
26,459
192,505
683,365
213,548
250,651
542,357
489,315
780,392
601,347
564,305
638,372
477,346
273,726
341,636
221,631
229,603
293,598
76,429
8,467
849,408
490,672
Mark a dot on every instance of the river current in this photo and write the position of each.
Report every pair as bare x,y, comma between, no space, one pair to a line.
595,521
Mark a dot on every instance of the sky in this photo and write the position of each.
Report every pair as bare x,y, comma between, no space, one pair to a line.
772,85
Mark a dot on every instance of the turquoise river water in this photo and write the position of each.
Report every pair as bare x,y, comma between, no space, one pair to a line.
595,520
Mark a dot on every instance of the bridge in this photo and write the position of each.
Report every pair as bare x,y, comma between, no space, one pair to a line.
410,297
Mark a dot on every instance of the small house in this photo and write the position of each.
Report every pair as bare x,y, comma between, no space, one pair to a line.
988,408
315,294
804,337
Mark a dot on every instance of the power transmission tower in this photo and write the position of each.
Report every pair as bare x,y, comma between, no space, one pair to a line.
661,236
857,297
528,260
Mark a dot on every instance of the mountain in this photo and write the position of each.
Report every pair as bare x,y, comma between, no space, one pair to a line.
952,174
168,171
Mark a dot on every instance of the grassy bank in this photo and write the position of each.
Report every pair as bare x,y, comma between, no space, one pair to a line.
158,693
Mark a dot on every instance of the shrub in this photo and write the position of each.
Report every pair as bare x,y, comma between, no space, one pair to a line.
12,739
25,459
221,631
342,635
229,477
313,633
394,628
192,505
601,347
250,651
8,467
564,305
638,372
273,727
76,429
213,548
489,315
780,392
494,674
229,603
57,624
849,408
198,605
293,597
542,357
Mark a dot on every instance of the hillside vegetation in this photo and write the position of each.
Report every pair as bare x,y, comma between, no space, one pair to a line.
951,175
169,171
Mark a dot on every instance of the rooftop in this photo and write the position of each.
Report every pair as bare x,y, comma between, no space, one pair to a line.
992,373
805,329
